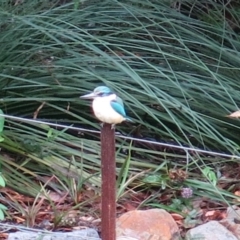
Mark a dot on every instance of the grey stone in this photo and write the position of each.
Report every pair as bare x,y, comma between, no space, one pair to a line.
232,221
126,238
86,234
233,213
209,231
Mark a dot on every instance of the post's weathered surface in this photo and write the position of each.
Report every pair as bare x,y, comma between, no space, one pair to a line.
108,165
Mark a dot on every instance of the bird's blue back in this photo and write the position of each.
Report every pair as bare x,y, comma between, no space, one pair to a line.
118,106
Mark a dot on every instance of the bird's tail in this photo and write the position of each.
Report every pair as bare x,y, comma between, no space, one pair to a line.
129,119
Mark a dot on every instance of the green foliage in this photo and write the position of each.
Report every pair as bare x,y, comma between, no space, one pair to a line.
210,174
122,182
2,121
156,180
177,71
2,209
180,75
2,181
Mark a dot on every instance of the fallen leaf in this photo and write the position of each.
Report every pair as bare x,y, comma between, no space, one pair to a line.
214,215
234,114
210,213
56,197
87,218
177,216
237,193
129,206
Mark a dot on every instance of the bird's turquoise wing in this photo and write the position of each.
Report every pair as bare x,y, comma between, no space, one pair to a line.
118,106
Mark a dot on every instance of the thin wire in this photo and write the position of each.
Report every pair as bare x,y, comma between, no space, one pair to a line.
119,135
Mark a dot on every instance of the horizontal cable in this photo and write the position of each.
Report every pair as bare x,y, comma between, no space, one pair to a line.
119,135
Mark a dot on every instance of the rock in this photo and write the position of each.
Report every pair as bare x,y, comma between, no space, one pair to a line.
126,238
209,231
232,221
86,234
153,224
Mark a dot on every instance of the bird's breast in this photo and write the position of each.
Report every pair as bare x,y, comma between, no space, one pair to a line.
104,112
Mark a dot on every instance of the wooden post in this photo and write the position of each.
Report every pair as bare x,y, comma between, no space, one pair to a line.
108,165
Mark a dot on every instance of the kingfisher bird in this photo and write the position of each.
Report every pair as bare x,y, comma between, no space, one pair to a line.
107,106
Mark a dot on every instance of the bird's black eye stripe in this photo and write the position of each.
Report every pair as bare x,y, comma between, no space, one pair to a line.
101,94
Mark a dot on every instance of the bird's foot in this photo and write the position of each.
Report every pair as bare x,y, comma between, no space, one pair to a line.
112,126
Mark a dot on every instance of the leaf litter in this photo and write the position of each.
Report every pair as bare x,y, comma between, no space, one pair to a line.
57,210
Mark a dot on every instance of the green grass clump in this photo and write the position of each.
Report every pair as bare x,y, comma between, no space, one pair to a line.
176,69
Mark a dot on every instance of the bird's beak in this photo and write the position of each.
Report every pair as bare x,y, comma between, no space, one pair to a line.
88,96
